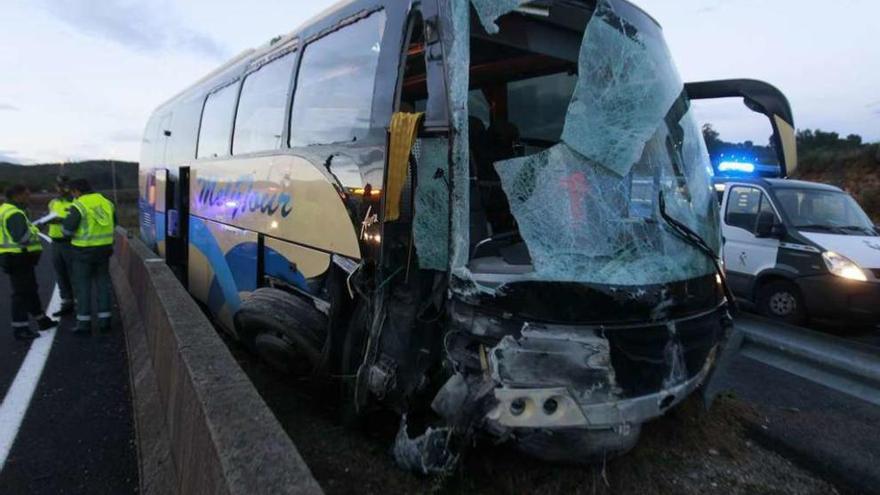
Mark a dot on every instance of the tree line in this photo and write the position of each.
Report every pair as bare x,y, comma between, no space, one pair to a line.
98,172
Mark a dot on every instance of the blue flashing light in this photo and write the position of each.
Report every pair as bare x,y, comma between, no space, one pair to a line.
730,166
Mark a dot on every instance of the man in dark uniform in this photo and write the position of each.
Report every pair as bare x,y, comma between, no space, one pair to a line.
61,250
20,251
90,225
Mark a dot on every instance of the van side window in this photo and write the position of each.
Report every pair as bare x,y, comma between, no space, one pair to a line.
744,205
216,128
334,90
259,122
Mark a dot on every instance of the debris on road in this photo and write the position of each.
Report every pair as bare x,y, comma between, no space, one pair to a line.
674,455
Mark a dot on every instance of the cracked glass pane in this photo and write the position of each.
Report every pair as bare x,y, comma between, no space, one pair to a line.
579,223
626,85
431,222
588,207
490,10
457,47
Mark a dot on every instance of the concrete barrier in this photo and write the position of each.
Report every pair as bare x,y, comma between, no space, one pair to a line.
220,435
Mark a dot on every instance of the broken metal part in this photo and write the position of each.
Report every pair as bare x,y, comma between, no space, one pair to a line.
464,400
536,408
428,453
606,415
382,377
646,407
673,354
451,398
729,349
348,265
549,356
572,367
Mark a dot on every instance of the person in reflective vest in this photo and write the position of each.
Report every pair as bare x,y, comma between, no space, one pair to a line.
20,251
90,225
61,250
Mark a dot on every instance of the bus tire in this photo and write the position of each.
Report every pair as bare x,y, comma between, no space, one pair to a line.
782,300
286,331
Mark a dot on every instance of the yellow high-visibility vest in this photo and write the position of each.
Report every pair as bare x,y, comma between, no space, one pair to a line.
96,221
8,245
60,207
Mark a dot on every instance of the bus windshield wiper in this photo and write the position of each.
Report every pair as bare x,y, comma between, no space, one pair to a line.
688,235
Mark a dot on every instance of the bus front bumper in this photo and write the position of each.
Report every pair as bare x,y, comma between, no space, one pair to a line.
558,408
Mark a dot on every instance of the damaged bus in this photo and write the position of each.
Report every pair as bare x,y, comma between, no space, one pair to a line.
493,214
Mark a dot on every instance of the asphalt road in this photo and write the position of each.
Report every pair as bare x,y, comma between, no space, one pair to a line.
78,434
823,430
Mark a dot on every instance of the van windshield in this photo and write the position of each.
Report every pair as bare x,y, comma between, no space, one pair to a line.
824,211
573,141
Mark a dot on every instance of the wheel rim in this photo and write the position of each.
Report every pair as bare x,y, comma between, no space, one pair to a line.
783,304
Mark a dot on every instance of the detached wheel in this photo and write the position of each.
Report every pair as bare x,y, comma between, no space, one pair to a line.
782,300
286,331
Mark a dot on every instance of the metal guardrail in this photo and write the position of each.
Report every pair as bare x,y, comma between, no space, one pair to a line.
839,364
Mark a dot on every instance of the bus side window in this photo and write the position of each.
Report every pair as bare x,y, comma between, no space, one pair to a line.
259,121
184,130
216,128
334,91
149,143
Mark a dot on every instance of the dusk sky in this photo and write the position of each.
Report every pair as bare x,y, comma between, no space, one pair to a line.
79,78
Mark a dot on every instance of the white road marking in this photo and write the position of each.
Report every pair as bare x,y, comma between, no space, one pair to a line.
20,393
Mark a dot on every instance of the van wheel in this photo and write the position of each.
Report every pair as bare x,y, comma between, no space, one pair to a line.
782,300
286,331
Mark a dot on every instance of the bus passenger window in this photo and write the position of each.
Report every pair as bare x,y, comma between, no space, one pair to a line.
260,119
334,90
216,126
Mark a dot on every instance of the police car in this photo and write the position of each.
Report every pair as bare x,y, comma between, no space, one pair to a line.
798,250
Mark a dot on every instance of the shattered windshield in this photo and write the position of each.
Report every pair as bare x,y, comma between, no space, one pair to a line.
583,205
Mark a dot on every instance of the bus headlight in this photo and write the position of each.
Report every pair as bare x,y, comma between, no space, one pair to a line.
843,267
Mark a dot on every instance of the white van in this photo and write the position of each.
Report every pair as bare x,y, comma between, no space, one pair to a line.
798,250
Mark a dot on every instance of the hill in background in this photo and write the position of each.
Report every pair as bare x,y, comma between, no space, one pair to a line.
98,172
845,163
